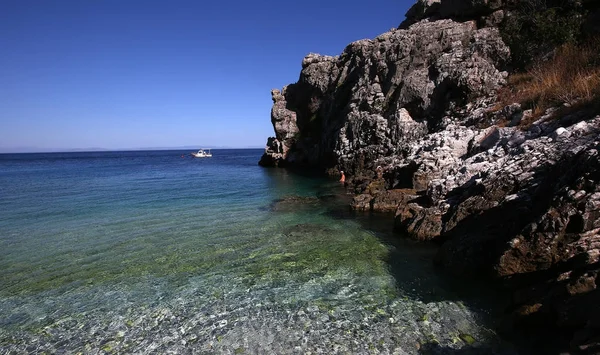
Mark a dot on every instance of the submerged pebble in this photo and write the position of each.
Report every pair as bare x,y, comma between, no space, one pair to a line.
206,269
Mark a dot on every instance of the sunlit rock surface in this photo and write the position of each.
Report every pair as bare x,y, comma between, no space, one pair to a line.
412,119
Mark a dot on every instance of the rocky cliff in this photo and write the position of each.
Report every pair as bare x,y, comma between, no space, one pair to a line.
412,118
379,95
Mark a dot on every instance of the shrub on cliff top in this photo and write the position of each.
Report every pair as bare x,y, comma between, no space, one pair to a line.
535,27
571,75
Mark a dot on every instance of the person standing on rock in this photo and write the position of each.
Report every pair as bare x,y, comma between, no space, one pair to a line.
343,178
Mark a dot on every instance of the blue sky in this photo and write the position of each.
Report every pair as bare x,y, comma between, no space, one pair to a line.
127,74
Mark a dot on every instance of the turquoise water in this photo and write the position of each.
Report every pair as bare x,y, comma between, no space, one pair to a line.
156,252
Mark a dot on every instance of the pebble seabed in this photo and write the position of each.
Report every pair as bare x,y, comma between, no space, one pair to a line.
280,287
252,321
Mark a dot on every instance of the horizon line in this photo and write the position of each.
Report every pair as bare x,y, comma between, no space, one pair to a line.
92,150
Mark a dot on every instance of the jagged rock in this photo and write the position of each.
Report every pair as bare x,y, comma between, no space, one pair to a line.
533,218
274,154
381,200
412,119
518,205
418,222
362,202
420,10
283,119
286,131
388,201
313,58
494,19
380,96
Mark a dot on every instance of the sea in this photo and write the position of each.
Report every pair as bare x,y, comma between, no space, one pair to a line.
156,252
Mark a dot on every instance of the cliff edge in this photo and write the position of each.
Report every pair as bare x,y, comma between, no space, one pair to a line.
416,119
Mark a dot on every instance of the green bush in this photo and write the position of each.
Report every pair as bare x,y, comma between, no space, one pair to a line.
535,27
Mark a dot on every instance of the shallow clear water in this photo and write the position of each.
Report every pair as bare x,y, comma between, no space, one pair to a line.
155,252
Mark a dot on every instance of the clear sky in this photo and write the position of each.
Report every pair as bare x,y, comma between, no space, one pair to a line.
127,74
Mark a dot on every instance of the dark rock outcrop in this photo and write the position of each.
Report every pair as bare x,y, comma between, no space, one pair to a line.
487,12
408,117
520,206
381,95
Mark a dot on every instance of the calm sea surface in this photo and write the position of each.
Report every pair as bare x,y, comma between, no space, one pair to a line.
159,252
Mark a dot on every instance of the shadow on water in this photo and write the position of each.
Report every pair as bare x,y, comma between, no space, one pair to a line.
411,262
411,265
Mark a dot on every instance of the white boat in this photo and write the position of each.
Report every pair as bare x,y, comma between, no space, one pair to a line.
202,153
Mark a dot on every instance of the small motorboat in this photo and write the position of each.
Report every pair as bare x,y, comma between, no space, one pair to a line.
202,153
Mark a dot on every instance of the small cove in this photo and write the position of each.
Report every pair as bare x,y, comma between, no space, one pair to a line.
150,252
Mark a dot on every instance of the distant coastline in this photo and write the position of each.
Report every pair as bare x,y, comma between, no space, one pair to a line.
84,150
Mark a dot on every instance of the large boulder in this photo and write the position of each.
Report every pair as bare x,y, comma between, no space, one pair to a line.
286,131
380,96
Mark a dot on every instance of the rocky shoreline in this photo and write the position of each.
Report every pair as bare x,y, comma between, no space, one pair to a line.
413,119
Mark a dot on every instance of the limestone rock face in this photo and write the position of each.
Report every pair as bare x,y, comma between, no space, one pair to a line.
286,131
381,95
522,206
411,118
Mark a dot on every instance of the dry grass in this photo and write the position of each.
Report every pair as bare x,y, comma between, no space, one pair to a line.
571,76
